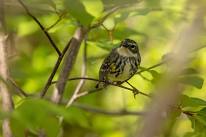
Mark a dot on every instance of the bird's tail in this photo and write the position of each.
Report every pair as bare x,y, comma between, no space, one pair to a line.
101,85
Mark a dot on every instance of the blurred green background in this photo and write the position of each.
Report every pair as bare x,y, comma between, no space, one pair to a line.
153,24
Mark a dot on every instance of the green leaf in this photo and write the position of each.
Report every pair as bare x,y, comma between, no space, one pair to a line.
195,81
192,102
109,23
106,45
77,9
199,123
36,114
93,7
121,17
198,119
122,33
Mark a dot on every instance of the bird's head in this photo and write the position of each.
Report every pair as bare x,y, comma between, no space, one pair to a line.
131,45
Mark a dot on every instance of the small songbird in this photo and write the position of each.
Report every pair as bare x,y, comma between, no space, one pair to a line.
120,65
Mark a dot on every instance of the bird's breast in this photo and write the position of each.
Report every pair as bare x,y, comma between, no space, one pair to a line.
124,73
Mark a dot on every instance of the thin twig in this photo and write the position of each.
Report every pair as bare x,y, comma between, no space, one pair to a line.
152,67
56,22
17,88
109,83
41,26
189,113
109,13
83,74
101,21
58,62
92,79
109,31
104,18
199,48
106,112
135,90
163,62
143,77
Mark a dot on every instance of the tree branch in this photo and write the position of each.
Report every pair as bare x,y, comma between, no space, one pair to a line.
152,67
56,22
7,103
106,112
99,23
41,26
58,62
68,63
17,88
92,91
83,74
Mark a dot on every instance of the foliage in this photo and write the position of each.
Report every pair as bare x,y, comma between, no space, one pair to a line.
152,23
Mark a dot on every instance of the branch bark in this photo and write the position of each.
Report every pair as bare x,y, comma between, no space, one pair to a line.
7,103
83,74
58,62
69,60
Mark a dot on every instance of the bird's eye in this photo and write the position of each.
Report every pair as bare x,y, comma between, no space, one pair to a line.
132,46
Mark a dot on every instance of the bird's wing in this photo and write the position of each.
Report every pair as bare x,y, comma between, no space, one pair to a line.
108,65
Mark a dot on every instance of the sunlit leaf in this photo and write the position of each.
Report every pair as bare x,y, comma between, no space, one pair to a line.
78,11
93,7
109,23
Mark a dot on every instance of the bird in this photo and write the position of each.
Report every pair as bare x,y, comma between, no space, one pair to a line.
120,64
